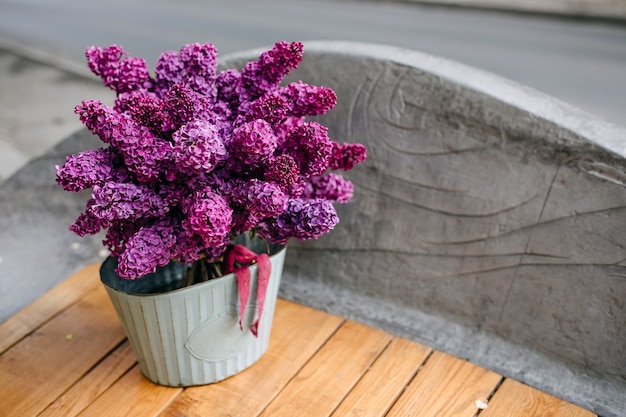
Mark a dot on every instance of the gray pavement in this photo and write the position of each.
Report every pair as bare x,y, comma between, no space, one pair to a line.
607,10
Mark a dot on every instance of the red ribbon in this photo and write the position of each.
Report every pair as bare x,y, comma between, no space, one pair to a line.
245,257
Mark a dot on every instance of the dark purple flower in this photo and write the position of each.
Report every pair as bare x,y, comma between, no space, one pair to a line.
117,71
258,77
307,100
346,156
271,107
282,170
256,200
310,147
118,234
209,216
146,109
88,224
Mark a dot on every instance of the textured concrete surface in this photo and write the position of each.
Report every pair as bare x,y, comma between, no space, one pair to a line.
484,204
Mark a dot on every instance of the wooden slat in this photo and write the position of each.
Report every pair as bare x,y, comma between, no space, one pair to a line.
133,395
514,399
48,305
92,385
379,388
43,365
446,386
297,333
326,379
65,355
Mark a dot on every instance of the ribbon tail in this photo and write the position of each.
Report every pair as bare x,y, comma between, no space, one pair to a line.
243,287
263,277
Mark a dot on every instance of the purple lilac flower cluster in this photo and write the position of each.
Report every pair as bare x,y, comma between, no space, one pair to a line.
195,157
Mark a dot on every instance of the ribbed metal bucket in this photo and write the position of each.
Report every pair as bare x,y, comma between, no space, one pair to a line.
191,336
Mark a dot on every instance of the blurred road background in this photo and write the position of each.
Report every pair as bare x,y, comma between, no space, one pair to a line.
574,50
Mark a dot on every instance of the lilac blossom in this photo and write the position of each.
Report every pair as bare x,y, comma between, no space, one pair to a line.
283,170
168,72
307,100
151,246
125,201
143,153
310,147
117,70
200,65
197,156
88,224
258,200
251,144
198,147
209,216
89,168
303,219
346,156
118,233
146,109
332,187
258,77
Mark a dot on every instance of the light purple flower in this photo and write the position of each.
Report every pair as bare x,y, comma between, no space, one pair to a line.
255,200
251,144
89,168
303,219
198,147
332,187
150,247
126,201
168,72
200,63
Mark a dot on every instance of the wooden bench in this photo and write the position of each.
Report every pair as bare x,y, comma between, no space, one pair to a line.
66,355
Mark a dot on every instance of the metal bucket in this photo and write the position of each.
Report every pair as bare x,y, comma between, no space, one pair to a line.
191,336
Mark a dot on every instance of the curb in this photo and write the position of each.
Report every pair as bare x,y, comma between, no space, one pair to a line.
613,11
48,58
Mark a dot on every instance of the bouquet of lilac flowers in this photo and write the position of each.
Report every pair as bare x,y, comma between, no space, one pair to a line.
196,157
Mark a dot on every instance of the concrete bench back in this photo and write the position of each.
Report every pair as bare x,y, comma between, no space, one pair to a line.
482,202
